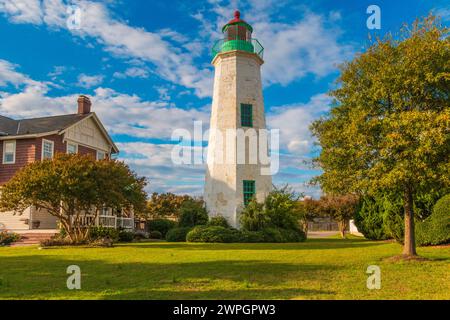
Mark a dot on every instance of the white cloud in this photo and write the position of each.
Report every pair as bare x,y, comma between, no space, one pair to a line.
133,72
294,120
87,81
22,11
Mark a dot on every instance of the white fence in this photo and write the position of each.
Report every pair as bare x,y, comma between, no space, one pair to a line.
105,221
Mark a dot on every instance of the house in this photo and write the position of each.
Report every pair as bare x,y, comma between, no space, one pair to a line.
26,140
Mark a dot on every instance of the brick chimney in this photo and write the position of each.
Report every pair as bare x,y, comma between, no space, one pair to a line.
84,104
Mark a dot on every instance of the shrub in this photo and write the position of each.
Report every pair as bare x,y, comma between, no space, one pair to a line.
161,225
369,219
102,232
253,217
155,235
59,240
278,235
436,228
251,236
218,221
177,234
126,236
280,207
192,213
7,238
140,235
215,234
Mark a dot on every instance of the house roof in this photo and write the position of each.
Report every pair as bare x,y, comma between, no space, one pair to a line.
40,126
10,127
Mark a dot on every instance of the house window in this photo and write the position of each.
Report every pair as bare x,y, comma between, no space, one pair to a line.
101,155
249,191
72,148
47,149
9,152
246,115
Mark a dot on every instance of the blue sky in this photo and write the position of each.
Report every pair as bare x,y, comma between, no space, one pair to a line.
146,66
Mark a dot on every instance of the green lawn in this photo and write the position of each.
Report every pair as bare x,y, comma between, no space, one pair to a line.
316,269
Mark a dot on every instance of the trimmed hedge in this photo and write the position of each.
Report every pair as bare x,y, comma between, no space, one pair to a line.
161,225
177,234
155,235
218,221
213,234
218,234
435,229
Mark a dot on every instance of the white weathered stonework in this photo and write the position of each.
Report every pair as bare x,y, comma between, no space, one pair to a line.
237,81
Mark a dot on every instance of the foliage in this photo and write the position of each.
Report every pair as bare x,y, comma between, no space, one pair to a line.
306,209
126,236
253,217
213,234
436,228
99,232
72,186
164,205
218,221
161,225
369,219
178,234
7,238
220,234
389,128
280,235
193,213
341,208
280,208
155,234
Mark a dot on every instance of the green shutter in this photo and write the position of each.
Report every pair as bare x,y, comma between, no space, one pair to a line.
249,191
246,115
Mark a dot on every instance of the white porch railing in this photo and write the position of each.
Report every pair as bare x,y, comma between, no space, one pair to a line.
105,221
125,223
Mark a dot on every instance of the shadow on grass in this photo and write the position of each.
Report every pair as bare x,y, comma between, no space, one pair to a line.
310,244
43,276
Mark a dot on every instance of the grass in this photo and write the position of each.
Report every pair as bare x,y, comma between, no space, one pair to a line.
317,269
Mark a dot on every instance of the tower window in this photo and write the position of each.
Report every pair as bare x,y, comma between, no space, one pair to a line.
249,191
246,115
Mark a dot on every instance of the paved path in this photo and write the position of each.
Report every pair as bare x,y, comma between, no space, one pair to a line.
321,234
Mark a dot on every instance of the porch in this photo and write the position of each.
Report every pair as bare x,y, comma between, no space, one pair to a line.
107,221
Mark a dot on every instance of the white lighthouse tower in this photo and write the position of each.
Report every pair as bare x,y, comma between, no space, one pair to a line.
237,125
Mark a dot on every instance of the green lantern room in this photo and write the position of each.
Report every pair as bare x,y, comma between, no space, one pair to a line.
237,36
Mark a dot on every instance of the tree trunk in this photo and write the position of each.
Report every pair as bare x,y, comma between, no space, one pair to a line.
409,247
342,225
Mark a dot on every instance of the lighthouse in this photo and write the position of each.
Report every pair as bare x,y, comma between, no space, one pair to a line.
237,166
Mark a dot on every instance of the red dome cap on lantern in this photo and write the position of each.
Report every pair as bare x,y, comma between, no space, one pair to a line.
237,20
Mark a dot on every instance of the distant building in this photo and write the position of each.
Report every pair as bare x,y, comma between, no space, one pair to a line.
27,140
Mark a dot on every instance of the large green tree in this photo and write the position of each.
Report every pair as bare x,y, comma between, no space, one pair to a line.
389,129
70,187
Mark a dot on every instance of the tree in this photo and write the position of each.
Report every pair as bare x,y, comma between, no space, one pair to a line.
341,208
389,128
163,205
193,213
307,210
70,187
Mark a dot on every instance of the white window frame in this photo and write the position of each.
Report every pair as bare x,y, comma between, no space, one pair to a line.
72,144
14,152
104,153
53,148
